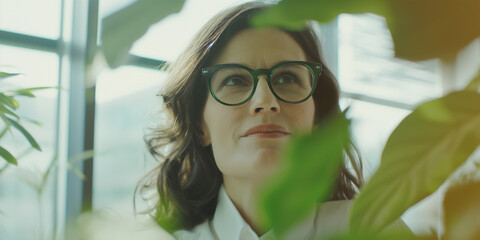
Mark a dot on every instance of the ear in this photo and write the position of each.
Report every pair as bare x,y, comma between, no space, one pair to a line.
204,135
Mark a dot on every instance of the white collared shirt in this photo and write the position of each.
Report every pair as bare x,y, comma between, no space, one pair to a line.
227,223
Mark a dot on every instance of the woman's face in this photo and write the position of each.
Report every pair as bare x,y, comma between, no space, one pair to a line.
247,139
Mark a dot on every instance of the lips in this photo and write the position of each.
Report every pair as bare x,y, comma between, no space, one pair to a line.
266,131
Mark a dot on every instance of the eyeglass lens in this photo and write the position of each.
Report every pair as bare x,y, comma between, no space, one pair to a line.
291,82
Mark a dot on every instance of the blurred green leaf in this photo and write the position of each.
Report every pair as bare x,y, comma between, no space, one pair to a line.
7,156
4,110
79,157
425,29
9,101
292,14
4,75
32,121
462,212
76,171
381,236
5,130
30,176
123,28
27,92
23,93
421,29
307,174
25,133
474,84
425,148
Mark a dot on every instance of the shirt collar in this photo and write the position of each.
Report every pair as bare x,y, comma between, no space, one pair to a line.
227,221
229,224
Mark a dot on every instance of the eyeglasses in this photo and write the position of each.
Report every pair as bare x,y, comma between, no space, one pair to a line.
235,84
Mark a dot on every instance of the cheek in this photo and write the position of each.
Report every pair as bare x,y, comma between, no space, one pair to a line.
303,114
222,123
219,121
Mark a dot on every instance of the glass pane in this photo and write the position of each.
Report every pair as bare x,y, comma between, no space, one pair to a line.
32,17
107,7
28,207
126,98
165,41
367,65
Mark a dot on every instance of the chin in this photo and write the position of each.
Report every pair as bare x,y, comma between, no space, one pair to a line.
267,158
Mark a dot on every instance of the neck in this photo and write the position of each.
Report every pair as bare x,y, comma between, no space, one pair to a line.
244,195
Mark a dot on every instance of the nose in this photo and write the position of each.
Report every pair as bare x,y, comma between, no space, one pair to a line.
263,100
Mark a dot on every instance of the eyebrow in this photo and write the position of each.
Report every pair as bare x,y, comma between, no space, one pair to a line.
246,65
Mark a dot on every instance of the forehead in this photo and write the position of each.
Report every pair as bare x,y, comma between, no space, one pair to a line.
257,48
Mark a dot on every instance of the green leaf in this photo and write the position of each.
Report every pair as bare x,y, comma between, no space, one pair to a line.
306,175
5,130
7,156
425,148
474,84
21,92
381,236
31,121
76,171
5,110
28,91
9,101
428,29
461,211
25,133
123,28
421,29
77,158
292,14
4,75
32,177
82,156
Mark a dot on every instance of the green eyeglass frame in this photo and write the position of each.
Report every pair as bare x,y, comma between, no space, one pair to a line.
315,70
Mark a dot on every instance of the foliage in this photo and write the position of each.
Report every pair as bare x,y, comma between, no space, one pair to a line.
5,75
462,210
8,106
292,14
421,29
382,236
310,158
440,135
123,28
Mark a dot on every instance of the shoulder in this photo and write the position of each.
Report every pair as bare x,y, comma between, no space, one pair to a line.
199,232
332,218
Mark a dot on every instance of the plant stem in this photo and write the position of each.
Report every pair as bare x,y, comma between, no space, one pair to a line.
4,167
4,130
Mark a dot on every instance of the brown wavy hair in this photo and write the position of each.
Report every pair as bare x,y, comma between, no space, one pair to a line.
187,179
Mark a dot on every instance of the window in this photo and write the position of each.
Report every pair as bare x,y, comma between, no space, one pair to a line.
126,104
37,18
20,198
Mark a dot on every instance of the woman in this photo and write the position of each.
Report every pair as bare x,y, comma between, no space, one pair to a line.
229,121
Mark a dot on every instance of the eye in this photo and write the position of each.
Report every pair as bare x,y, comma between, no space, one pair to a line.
286,78
235,81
